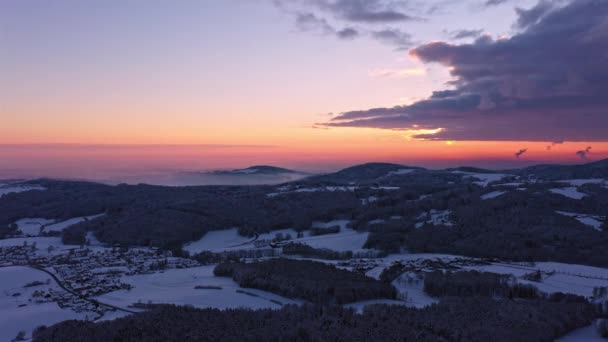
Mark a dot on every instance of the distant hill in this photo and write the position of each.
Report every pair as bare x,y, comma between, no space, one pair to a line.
472,169
598,169
365,173
257,169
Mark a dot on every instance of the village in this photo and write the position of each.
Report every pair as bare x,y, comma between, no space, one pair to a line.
86,272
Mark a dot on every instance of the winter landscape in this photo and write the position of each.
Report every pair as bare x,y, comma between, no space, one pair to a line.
304,170
408,239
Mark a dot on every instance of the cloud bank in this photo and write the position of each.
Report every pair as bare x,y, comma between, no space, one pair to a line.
545,83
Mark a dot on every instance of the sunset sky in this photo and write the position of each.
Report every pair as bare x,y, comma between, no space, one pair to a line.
308,84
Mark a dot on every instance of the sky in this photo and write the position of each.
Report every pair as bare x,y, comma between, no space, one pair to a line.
309,84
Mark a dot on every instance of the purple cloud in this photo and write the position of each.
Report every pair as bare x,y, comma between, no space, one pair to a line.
546,83
583,153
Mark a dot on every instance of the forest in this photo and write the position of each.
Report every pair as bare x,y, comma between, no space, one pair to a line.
313,281
520,225
474,319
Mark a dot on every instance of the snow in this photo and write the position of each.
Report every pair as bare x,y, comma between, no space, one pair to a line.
176,286
359,306
92,240
217,240
484,178
570,192
246,171
32,226
400,172
370,199
42,244
229,239
513,184
390,188
60,226
492,194
590,220
26,318
410,288
579,182
16,188
435,217
346,240
586,334
567,278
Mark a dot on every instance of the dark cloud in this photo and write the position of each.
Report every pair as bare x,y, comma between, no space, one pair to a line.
520,152
527,17
464,34
401,40
364,11
490,3
309,22
583,153
326,16
546,83
348,33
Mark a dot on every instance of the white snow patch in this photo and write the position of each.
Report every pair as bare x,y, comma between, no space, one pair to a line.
60,226
176,286
558,277
32,226
216,240
359,306
410,288
593,221
570,192
400,172
346,240
492,194
513,184
43,245
370,199
246,171
484,178
17,312
435,217
15,188
579,182
586,334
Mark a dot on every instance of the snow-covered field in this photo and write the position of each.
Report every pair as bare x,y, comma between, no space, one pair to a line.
492,194
17,313
571,192
177,286
34,226
14,188
558,277
230,240
579,182
345,240
59,226
43,245
586,334
592,221
483,178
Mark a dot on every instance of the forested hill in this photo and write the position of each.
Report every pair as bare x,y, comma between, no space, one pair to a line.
509,214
